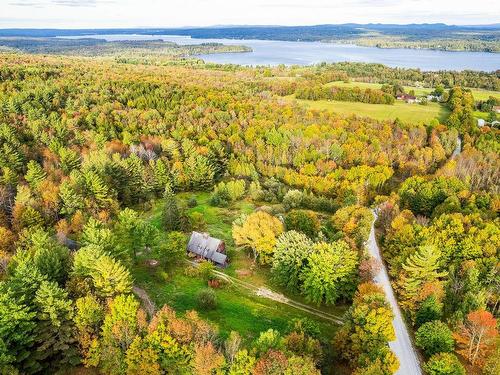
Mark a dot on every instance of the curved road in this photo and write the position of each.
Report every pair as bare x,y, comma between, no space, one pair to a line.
402,346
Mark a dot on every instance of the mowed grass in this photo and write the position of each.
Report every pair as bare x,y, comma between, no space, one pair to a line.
477,93
238,308
410,113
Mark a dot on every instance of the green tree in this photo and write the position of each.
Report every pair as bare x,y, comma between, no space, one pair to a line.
51,258
303,221
55,329
199,171
110,277
430,309
170,249
171,211
420,268
434,337
35,174
243,363
17,330
330,273
290,257
268,340
444,364
69,159
121,326
72,201
97,233
131,232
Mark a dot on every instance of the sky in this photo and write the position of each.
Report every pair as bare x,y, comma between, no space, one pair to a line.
177,13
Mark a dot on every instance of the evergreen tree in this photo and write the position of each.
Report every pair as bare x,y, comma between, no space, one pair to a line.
421,268
35,174
199,171
17,331
55,329
429,310
68,159
72,201
96,233
171,211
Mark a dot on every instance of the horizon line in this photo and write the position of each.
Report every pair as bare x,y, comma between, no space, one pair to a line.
251,25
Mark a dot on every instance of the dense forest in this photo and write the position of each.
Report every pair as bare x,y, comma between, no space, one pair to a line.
157,49
104,165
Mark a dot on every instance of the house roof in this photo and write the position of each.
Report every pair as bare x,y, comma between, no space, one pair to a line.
205,246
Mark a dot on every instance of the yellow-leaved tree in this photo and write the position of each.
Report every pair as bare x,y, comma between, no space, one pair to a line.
258,232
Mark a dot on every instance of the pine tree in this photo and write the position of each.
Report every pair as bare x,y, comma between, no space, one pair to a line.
421,268
161,175
99,192
51,258
71,200
17,330
110,277
199,171
171,212
96,233
55,329
69,159
35,174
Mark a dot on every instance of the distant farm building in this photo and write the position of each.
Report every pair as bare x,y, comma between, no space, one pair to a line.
201,245
434,98
407,98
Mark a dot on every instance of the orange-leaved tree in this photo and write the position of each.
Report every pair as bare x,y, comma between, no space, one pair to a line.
476,337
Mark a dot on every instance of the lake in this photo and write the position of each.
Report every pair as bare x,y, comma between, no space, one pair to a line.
270,52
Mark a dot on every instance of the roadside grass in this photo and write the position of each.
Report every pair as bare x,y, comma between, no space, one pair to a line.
411,113
238,308
478,94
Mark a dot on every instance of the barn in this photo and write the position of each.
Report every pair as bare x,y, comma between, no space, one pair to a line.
201,245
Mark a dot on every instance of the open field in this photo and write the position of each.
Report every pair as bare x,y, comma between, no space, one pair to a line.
477,93
238,308
413,113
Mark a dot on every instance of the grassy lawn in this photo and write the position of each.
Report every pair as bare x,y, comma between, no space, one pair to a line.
477,93
413,113
238,308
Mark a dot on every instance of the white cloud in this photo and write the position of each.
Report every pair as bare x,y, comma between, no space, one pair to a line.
174,13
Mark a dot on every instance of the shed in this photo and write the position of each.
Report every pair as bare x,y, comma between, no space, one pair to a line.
206,247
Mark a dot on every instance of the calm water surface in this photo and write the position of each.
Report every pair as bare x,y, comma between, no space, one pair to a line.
267,52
